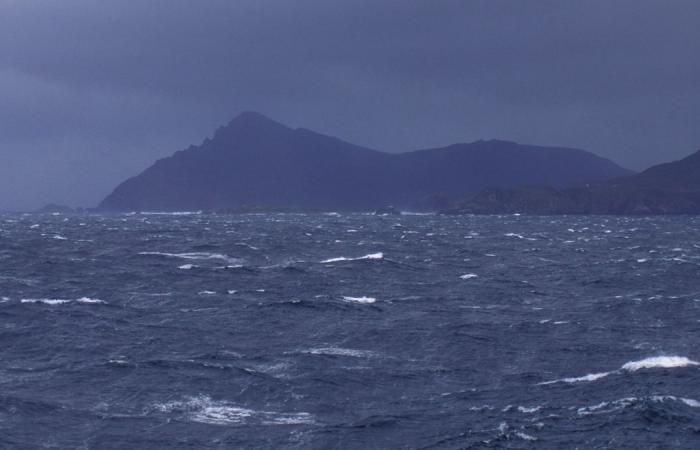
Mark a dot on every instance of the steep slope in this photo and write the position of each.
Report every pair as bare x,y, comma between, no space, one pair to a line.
682,175
256,161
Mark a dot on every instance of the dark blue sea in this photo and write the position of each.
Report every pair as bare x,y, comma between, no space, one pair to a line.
334,331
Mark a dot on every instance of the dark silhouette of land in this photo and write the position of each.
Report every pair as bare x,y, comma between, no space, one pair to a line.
671,188
255,163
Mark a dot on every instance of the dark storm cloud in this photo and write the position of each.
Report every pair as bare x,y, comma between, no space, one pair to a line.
92,91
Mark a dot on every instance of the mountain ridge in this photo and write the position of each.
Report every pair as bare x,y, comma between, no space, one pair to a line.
254,160
665,189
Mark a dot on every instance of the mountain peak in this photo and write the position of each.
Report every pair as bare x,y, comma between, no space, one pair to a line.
254,160
249,124
252,118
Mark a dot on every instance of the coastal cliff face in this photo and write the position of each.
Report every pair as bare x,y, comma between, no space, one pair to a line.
255,162
670,188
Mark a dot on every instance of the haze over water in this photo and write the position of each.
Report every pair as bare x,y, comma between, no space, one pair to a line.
349,331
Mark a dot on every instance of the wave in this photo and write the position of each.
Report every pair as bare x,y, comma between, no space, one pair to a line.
589,377
60,301
616,405
655,362
46,301
194,256
335,351
164,213
360,299
91,301
203,409
659,362
378,255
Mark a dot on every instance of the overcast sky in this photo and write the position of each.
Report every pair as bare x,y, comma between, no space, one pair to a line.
93,91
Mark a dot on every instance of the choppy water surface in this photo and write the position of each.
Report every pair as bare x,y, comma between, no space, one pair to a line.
349,331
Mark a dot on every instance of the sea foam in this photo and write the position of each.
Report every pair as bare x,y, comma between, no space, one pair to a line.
60,301
193,256
378,255
90,301
616,405
659,362
46,301
335,351
203,409
360,299
655,362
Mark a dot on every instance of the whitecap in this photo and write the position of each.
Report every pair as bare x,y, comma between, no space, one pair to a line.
586,410
60,301
164,213
243,244
193,256
481,408
288,419
656,362
221,415
187,267
58,237
203,409
615,405
91,301
526,410
360,299
687,401
589,377
469,276
207,293
378,255
120,362
46,301
525,436
335,351
659,362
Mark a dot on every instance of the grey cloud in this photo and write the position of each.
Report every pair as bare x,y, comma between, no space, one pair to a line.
126,82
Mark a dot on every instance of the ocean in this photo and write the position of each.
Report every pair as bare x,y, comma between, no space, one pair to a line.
330,331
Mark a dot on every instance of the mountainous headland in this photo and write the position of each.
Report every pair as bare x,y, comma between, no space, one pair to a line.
255,163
